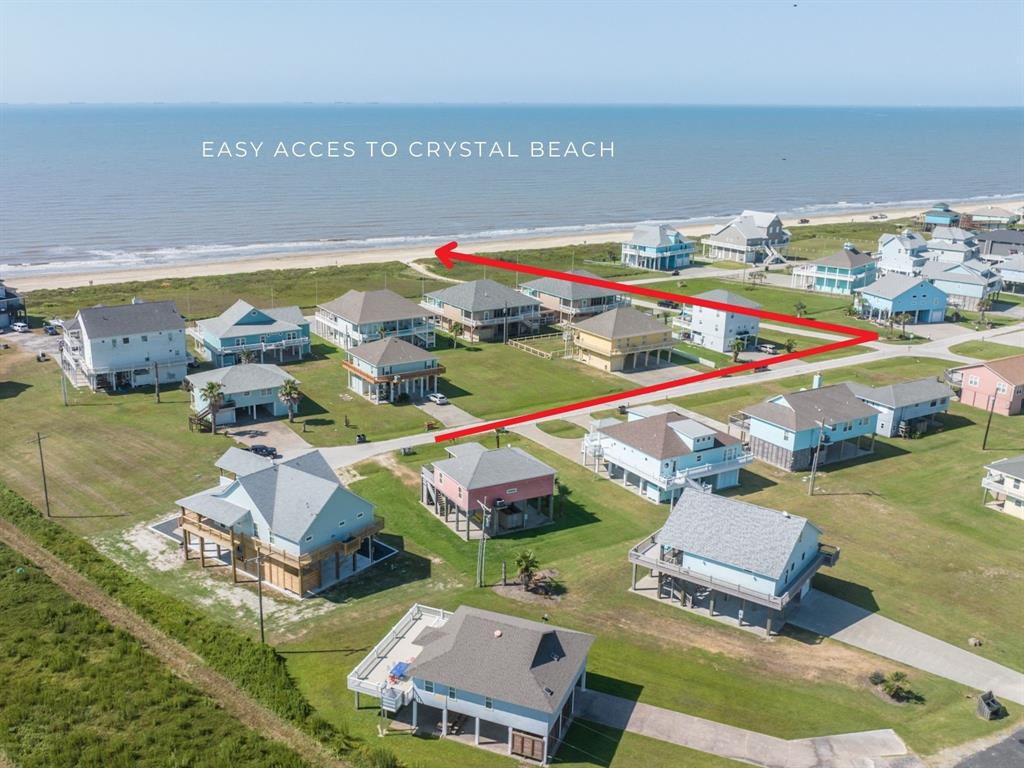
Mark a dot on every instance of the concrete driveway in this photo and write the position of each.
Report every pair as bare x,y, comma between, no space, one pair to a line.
274,433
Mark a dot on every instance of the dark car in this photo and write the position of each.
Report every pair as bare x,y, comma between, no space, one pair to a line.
264,450
675,273
668,304
49,330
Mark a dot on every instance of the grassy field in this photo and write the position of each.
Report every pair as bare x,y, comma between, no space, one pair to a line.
602,259
199,297
985,350
897,514
78,692
779,338
792,687
562,428
816,240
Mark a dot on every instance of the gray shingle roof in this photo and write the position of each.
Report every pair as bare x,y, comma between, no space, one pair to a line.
903,393
804,409
1007,236
728,297
654,235
482,295
952,234
240,462
362,307
621,323
477,467
848,258
244,377
506,658
229,322
129,319
567,289
973,272
1013,466
391,351
752,225
733,532
655,436
891,286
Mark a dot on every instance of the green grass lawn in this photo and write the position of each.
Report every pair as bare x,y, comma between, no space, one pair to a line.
985,350
493,380
816,240
562,428
328,401
916,540
716,671
78,692
199,297
602,259
779,339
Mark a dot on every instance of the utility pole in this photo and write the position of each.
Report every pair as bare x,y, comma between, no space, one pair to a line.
259,592
42,468
814,462
481,552
988,423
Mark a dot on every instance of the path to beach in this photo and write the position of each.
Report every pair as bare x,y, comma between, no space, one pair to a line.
376,256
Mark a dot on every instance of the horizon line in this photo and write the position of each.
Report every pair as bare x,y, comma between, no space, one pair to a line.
383,103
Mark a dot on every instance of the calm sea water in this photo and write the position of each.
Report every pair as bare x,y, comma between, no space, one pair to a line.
93,187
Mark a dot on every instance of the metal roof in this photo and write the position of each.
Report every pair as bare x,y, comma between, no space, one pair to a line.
620,323
735,533
481,296
128,319
502,657
382,306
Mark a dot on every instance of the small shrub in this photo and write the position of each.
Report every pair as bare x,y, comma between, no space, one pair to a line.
897,687
375,757
876,677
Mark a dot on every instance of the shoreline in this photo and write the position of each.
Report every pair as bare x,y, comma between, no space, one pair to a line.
406,254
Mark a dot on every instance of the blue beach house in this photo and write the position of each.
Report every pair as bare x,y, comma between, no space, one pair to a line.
275,335
481,678
787,431
897,294
842,272
940,215
906,408
249,391
657,247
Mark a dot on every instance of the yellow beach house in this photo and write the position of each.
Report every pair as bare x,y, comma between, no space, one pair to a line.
623,339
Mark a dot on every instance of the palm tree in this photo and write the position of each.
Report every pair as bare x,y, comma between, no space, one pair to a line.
903,318
737,346
290,395
789,345
213,394
800,308
526,566
246,356
984,305
456,332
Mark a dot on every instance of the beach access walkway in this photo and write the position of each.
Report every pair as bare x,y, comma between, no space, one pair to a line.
880,749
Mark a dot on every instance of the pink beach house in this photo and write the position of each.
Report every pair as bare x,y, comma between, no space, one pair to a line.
994,384
497,491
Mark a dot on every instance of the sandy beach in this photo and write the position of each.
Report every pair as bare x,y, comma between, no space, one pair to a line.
322,259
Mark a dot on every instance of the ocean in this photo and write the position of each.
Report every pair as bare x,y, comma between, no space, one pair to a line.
86,187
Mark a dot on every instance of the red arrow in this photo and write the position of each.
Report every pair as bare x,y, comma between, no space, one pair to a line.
447,255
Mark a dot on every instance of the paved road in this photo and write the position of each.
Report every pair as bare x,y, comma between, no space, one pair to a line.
831,617
869,748
1005,754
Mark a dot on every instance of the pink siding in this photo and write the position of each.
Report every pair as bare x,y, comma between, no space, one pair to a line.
977,395
525,489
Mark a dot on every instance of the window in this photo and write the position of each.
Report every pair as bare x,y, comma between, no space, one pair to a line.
124,340
360,514
972,380
511,491
1001,388
309,538
145,338
452,693
488,702
428,686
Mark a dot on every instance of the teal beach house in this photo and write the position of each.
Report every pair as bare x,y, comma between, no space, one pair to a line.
275,335
842,272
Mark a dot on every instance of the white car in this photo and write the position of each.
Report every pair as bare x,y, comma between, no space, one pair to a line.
437,397
19,327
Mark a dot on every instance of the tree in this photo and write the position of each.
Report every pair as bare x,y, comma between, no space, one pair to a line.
246,356
903,318
456,332
290,395
526,566
213,394
800,308
789,345
757,278
737,346
984,305
897,686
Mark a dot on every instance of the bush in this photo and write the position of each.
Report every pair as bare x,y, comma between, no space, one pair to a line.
255,668
876,677
897,686
375,757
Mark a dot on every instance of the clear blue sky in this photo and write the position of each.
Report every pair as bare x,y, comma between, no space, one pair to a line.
767,52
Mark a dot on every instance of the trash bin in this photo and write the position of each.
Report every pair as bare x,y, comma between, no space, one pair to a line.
989,707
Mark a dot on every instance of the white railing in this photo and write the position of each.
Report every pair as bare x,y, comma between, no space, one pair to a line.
593,444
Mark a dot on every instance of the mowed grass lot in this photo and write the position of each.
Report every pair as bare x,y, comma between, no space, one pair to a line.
813,241
200,297
917,542
562,428
986,350
791,687
78,692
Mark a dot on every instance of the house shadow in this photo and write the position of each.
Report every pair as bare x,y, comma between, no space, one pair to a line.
402,568
853,602
322,351
750,482
452,391
9,389
597,743
949,421
310,407
568,514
